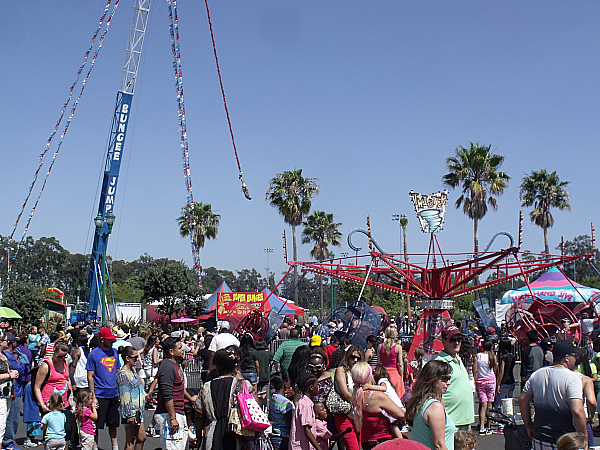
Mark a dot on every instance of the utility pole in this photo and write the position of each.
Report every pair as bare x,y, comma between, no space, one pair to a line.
268,268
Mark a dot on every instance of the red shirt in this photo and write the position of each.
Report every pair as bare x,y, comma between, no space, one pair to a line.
329,349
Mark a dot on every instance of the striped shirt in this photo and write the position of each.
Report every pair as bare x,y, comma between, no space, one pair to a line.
284,353
278,407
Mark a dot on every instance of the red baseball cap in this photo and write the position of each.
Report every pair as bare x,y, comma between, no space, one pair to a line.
450,331
106,333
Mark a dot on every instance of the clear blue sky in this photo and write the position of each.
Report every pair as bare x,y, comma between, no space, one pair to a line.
368,97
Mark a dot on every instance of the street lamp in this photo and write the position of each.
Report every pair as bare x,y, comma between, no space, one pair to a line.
268,268
99,222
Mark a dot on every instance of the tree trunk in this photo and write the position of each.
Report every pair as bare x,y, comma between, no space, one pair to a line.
295,250
407,268
475,251
546,248
321,286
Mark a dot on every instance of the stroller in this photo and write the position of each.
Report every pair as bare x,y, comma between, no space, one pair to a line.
515,435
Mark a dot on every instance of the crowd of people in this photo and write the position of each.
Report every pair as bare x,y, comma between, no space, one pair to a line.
73,383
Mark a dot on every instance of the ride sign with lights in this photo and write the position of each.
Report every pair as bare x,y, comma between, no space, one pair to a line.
430,209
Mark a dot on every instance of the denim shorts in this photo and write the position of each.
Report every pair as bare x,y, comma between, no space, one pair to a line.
251,377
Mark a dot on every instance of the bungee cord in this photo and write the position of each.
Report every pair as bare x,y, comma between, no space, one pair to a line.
62,137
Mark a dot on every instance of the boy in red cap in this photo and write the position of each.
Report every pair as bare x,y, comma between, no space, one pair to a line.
102,365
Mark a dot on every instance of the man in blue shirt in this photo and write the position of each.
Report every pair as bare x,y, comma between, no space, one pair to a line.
102,365
14,413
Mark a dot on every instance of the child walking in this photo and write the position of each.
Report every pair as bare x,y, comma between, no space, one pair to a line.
53,423
86,414
301,433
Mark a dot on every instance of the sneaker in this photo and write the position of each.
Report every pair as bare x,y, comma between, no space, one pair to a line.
12,447
29,443
150,406
488,431
151,431
498,431
482,432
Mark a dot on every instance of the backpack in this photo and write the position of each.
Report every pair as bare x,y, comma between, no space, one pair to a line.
34,373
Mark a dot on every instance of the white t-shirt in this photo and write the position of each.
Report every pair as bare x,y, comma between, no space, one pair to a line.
484,371
223,340
587,326
552,388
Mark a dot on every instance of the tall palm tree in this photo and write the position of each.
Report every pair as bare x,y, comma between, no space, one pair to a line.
291,194
476,170
322,231
201,220
543,191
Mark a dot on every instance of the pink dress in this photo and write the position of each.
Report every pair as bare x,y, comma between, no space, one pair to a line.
390,362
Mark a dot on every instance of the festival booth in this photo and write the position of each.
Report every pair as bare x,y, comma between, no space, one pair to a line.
552,285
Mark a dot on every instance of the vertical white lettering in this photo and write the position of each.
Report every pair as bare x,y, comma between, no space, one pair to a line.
125,108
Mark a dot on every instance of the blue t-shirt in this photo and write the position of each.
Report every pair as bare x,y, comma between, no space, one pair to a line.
55,425
104,364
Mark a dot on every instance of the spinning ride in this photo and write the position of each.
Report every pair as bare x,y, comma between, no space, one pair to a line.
445,276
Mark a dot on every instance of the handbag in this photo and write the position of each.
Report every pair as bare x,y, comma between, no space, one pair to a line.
234,423
251,415
335,404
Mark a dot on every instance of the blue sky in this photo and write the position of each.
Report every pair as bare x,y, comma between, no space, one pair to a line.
368,97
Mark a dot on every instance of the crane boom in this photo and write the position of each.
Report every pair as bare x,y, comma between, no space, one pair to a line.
114,156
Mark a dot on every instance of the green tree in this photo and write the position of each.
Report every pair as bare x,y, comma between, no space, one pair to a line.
200,220
27,300
465,302
581,271
174,285
322,231
544,191
476,171
291,194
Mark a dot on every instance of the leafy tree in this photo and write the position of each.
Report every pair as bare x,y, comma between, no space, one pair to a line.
390,303
544,191
27,300
465,302
248,280
200,220
173,285
212,279
322,231
308,292
581,271
291,194
476,171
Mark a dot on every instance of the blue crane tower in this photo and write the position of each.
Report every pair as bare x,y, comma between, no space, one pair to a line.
114,156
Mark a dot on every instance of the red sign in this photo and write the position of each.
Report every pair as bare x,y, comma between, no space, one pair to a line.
238,303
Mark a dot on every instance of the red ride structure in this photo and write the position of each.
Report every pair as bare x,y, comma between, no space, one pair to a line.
445,276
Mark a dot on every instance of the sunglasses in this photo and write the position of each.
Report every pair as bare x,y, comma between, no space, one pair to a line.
355,357
134,357
316,366
454,340
445,378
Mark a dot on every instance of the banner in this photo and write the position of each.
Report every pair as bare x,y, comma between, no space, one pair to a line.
238,303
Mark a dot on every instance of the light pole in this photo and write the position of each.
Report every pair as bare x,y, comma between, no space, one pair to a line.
268,268
99,222
397,217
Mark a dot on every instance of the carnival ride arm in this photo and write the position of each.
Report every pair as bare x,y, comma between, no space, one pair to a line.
435,417
524,400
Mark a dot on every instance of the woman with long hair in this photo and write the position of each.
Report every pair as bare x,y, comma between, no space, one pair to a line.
506,377
368,405
431,426
390,356
371,352
150,359
132,400
467,356
485,372
344,386
249,365
215,403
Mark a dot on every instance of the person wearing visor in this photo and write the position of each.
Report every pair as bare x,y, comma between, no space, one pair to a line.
458,399
102,366
557,393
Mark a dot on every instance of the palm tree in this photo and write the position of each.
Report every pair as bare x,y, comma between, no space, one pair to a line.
320,229
201,221
291,194
476,170
543,191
